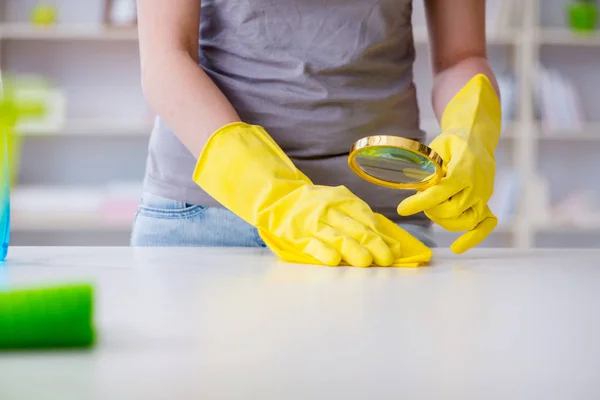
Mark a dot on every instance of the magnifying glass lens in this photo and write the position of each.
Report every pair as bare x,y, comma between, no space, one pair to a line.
396,165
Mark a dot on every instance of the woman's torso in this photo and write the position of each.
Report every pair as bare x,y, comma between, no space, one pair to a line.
316,74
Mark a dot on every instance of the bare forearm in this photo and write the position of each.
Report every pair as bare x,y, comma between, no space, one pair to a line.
449,81
458,47
191,104
174,84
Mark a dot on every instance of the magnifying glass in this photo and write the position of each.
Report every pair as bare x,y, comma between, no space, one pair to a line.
396,162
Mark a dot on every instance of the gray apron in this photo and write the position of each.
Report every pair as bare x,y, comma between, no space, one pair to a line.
317,75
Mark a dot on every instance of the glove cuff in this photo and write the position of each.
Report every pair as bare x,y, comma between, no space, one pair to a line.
245,170
475,111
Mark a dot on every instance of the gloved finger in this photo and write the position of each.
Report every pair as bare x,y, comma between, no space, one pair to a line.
428,198
322,253
464,222
389,233
351,251
379,251
454,206
475,236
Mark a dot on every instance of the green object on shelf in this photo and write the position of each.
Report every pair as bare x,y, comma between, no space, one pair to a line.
44,14
582,16
46,318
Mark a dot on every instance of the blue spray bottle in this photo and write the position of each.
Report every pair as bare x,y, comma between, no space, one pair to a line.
4,194
6,112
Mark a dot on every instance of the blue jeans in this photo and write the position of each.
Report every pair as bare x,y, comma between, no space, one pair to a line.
162,222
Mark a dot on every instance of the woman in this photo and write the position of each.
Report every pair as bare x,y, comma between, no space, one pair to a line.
260,101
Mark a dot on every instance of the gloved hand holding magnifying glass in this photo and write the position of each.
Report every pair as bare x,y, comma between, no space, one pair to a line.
454,175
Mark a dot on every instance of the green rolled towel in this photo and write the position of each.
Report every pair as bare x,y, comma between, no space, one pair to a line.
44,318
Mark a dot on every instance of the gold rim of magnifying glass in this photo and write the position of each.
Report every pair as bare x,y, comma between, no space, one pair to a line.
400,143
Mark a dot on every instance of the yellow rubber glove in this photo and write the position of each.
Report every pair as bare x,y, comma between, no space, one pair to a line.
471,126
243,168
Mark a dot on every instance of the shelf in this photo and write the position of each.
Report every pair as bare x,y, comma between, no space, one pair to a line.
27,31
67,221
566,229
570,137
421,37
70,208
590,132
565,37
91,127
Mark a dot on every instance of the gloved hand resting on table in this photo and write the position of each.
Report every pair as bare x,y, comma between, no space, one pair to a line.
471,125
243,168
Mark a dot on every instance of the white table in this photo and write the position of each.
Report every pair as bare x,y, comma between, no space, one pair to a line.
236,324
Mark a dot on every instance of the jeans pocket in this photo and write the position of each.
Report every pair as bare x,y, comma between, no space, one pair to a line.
161,207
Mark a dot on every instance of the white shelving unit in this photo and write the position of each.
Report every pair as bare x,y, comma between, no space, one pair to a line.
105,134
420,36
568,149
589,133
561,36
67,222
523,142
91,127
24,31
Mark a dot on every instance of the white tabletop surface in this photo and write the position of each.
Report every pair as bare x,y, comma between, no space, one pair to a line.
236,324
